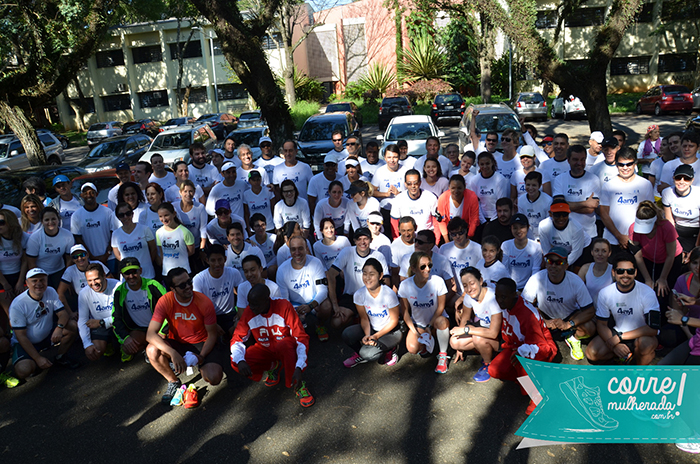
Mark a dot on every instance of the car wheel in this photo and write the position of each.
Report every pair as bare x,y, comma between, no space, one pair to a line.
639,108
64,143
53,161
657,110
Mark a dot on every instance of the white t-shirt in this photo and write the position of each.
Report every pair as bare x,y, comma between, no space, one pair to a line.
26,313
13,209
536,211
399,249
604,171
11,258
522,264
244,289
135,245
461,258
382,244
670,167
552,168
76,278
303,285
220,291
656,168
423,302
173,196
377,308
492,274
489,191
573,238
269,165
384,179
627,309
267,248
242,175
557,301
357,217
623,198
95,227
350,263
150,219
138,307
299,212
217,234
67,208
174,245
420,209
685,210
49,251
441,267
283,254
517,180
164,182
300,174
318,186
507,168
205,176
195,220
95,305
577,189
369,169
328,253
437,189
260,203
445,164
325,210
234,195
235,260
484,310
592,160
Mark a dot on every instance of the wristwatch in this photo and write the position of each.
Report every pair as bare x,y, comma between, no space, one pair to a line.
102,323
684,321
619,334
573,324
466,330
61,326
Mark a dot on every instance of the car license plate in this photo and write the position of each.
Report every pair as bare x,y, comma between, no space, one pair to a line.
678,98
449,107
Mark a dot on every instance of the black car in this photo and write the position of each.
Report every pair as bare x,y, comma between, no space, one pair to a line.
220,123
392,107
149,127
449,105
119,149
65,143
11,191
314,139
350,107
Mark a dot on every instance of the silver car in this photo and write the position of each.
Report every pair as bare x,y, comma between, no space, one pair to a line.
567,107
696,98
103,130
13,156
531,105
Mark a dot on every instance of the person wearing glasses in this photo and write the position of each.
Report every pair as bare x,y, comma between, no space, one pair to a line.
593,153
489,144
688,154
353,173
175,243
682,206
563,300
341,153
35,329
292,208
292,169
432,151
507,161
441,267
95,304
267,159
461,252
627,318
49,247
134,240
555,165
202,174
192,331
135,300
321,182
65,203
415,202
607,169
559,230
620,198
354,149
423,297
131,194
230,189
74,280
216,228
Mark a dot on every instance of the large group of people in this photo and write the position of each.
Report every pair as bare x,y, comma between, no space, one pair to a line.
491,253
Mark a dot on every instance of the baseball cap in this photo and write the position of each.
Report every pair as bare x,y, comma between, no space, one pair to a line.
228,165
355,189
562,207
222,203
123,167
362,232
527,151
264,138
351,162
330,158
684,170
77,247
644,226
60,178
254,173
375,218
558,251
88,185
548,138
597,136
520,219
219,151
35,272
610,142
127,264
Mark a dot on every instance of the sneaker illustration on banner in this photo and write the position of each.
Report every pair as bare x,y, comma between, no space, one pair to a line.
586,401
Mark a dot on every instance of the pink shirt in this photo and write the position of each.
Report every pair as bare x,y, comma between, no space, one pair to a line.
654,249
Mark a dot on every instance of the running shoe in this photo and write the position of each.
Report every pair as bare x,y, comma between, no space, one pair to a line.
191,398
109,351
424,353
126,357
8,380
693,448
273,375
575,346
305,398
65,361
442,363
587,403
322,333
353,360
482,375
391,358
178,398
170,391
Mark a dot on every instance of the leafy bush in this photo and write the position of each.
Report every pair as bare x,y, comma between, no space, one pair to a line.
302,111
379,78
354,91
408,93
422,60
305,87
425,91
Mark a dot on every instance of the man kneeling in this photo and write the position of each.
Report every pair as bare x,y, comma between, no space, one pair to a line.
280,342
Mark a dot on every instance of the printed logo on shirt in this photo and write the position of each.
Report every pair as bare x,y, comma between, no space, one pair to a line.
487,192
50,251
141,307
236,198
371,313
627,201
132,248
92,225
679,212
171,246
423,305
573,192
302,285
218,293
523,264
185,317
417,212
258,207
99,308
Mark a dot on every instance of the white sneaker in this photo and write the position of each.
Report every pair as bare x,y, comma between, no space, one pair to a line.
693,448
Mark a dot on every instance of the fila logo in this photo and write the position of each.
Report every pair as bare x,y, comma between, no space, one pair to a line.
185,317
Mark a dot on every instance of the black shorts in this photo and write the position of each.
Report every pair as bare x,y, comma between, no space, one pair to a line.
18,353
559,335
215,356
101,333
347,301
228,320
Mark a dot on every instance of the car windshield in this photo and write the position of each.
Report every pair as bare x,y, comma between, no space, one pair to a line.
106,149
174,122
496,122
249,138
207,117
394,101
96,127
676,89
3,149
176,141
338,107
448,99
320,130
536,98
409,131
245,116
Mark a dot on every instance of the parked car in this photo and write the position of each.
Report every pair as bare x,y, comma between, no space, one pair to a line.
392,107
490,118
693,123
314,139
415,130
220,123
103,181
350,107
250,119
65,143
531,105
696,98
120,149
251,137
447,106
150,127
11,191
13,156
174,122
568,107
664,98
174,144
103,130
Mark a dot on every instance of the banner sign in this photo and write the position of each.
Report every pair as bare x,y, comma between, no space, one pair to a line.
614,404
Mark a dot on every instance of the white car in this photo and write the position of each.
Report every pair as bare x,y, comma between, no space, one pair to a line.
413,129
174,144
567,107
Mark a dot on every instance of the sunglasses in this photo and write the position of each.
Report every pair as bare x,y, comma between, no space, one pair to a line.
626,165
457,233
222,212
2,222
554,261
420,242
337,140
352,143
506,139
683,178
184,285
41,310
79,255
560,215
123,215
423,266
492,140
546,143
265,145
621,271
130,272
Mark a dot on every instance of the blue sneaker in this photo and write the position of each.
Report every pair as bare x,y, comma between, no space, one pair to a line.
482,375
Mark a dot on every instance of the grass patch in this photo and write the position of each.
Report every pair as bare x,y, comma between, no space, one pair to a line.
623,102
302,111
76,138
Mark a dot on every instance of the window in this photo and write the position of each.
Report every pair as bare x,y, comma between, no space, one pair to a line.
198,95
546,19
153,99
232,92
193,50
584,17
116,102
646,15
577,64
627,66
47,140
202,135
676,10
109,58
217,48
90,105
131,146
149,54
678,62
270,43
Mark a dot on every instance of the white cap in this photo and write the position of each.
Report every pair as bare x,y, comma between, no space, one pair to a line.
351,162
88,185
597,136
330,158
228,165
375,217
527,150
219,151
644,226
264,138
77,247
35,272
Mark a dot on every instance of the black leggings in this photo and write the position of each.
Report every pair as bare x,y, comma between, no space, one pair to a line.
680,356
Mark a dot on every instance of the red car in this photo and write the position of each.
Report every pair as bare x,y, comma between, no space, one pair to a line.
665,98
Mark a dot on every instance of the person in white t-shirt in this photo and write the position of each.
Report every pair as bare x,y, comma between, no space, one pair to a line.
49,247
657,166
330,245
689,145
292,208
378,334
265,241
388,181
92,225
371,162
65,203
193,216
507,161
258,200
160,175
557,164
489,186
230,189
593,153
517,180
432,151
580,189
74,280
216,228
534,204
175,243
414,202
95,304
361,206
634,308
253,272
559,231
134,240
292,169
607,169
380,242
202,174
460,252
335,207
267,159
425,243
238,248
490,265
682,206
182,173
522,257
123,172
319,184
245,156
402,246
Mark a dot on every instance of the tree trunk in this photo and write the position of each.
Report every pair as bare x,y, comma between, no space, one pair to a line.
485,58
82,104
186,101
593,95
23,129
288,74
398,11
77,110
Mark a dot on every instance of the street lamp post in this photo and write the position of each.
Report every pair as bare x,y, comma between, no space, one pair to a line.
210,36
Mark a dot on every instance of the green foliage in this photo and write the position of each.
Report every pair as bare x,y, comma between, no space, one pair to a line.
306,88
425,91
462,50
623,102
422,60
379,78
354,91
302,111
420,22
